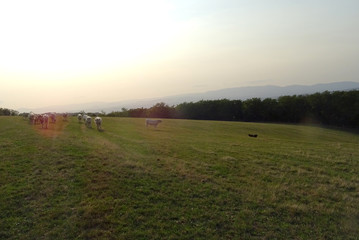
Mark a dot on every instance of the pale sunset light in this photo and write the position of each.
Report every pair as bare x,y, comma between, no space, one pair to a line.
63,52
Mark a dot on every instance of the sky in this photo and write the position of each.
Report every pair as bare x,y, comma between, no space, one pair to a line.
72,51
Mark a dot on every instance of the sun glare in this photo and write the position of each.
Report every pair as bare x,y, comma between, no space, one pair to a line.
72,36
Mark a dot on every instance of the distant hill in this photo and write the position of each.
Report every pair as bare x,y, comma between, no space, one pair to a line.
242,93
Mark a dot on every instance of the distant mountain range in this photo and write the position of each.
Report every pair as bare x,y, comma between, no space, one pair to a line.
241,93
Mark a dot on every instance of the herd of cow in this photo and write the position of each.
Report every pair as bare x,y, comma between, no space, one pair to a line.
88,120
44,119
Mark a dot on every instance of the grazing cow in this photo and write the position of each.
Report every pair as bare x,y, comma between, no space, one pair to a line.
32,118
98,122
152,122
79,117
52,117
44,120
88,121
84,117
253,135
37,118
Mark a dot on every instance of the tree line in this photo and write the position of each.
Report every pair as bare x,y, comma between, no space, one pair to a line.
8,112
339,108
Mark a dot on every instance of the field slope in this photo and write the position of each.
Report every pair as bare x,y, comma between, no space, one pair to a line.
184,180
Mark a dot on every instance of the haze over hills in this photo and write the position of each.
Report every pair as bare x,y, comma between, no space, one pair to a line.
242,93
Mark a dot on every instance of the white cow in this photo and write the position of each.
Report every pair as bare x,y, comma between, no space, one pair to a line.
37,118
84,117
32,118
152,122
98,122
79,117
88,121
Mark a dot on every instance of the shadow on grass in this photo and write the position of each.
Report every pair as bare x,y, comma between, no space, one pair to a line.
329,127
157,130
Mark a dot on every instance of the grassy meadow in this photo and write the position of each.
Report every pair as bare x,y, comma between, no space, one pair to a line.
184,180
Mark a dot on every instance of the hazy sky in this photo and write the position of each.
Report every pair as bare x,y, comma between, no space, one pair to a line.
63,52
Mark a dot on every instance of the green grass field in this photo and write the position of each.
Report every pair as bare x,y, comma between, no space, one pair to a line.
184,180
